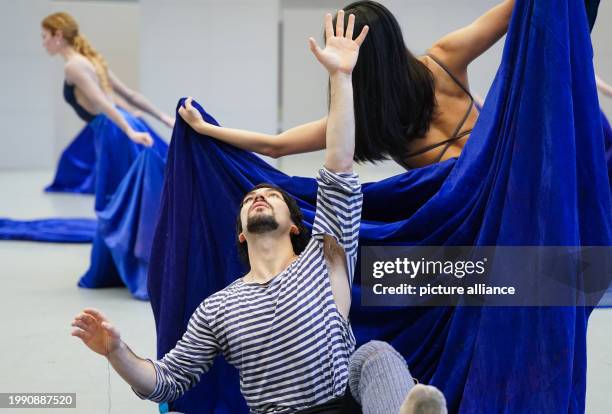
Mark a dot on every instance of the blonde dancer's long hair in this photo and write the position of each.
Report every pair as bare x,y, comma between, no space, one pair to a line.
70,30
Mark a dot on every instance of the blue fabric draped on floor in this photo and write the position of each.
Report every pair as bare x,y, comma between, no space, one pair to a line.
532,173
58,230
127,191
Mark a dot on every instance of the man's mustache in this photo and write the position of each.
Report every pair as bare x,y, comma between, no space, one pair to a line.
257,202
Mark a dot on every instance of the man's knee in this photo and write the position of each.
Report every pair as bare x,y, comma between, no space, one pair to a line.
373,350
375,359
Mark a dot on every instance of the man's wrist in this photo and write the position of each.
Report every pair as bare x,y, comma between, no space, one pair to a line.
116,353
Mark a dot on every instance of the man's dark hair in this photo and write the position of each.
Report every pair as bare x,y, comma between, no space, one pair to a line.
299,241
394,96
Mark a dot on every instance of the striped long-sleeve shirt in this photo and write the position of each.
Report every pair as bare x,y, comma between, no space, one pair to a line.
287,338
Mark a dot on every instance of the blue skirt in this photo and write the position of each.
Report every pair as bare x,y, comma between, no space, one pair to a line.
128,186
76,168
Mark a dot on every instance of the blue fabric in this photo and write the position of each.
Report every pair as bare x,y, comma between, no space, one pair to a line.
127,224
76,168
115,153
592,7
57,230
77,165
128,187
532,173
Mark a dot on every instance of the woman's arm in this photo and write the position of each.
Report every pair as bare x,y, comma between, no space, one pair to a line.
603,87
138,100
78,74
122,103
459,48
303,138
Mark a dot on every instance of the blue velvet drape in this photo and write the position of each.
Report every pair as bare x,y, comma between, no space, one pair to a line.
533,173
128,186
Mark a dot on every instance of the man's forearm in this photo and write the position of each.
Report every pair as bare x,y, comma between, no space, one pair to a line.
340,134
137,372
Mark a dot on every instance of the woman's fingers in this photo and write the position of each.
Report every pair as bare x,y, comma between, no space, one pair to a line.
350,27
329,29
340,23
362,35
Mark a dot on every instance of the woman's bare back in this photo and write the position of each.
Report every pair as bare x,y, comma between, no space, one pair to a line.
82,64
452,105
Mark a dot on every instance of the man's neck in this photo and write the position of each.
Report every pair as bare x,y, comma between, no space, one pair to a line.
268,255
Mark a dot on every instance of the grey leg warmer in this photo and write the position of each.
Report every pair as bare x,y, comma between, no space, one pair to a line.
379,378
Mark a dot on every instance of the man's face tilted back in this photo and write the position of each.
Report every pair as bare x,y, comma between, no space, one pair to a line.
264,210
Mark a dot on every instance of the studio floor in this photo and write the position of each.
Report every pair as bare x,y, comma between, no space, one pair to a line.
40,297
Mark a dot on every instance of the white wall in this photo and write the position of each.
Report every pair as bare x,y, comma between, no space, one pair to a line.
602,49
26,115
221,52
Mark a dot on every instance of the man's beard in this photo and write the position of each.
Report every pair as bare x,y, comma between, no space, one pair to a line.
260,224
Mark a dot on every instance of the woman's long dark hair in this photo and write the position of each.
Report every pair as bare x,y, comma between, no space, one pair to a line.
393,91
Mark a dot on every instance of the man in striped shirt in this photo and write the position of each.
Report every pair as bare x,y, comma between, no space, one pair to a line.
284,325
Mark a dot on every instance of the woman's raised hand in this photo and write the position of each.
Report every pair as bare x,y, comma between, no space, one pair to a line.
341,51
96,332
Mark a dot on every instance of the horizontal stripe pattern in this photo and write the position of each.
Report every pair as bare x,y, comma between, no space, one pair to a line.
287,338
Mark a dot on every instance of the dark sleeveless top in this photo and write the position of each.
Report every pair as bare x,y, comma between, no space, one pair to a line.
70,97
457,134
